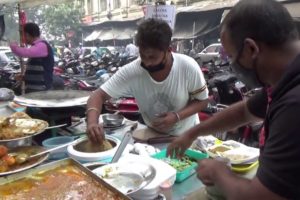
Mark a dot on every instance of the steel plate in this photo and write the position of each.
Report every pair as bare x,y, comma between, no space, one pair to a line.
127,177
53,98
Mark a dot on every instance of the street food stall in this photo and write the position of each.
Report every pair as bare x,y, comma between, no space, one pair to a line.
142,172
131,163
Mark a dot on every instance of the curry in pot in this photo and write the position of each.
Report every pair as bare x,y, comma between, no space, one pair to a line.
91,147
61,183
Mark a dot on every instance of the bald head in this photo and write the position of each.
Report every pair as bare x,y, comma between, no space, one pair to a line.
265,21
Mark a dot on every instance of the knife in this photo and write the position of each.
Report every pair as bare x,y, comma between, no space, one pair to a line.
159,140
126,138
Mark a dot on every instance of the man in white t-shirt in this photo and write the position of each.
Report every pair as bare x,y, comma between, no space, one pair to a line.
131,50
169,88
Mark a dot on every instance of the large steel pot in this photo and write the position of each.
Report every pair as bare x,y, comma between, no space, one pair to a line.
53,98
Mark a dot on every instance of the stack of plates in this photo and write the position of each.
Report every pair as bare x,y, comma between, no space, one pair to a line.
242,157
127,176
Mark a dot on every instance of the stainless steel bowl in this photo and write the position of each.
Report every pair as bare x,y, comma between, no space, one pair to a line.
21,141
112,119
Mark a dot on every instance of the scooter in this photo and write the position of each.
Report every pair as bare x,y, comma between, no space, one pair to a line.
127,106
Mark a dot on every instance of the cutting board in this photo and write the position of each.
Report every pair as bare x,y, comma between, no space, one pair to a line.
150,136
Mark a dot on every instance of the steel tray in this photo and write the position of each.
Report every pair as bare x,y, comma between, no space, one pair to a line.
53,98
53,165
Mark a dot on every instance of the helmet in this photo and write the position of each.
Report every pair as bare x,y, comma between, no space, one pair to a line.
60,64
70,71
94,63
100,72
113,69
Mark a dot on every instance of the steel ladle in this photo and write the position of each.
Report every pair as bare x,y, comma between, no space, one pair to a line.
23,157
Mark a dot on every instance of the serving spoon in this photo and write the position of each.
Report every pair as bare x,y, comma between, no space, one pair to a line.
24,157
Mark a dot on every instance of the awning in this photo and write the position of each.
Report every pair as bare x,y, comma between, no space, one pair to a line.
191,22
111,34
206,15
196,24
202,22
107,34
294,9
125,34
113,30
93,36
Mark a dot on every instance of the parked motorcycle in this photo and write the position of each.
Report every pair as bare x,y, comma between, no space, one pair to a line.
224,90
127,106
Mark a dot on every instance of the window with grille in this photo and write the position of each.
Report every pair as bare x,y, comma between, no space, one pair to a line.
103,5
89,7
117,4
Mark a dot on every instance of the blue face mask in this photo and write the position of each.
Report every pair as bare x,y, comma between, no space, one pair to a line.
155,68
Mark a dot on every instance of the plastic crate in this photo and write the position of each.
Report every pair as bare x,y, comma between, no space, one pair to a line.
187,172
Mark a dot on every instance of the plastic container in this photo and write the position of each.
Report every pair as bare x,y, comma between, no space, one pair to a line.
212,151
187,172
56,141
244,168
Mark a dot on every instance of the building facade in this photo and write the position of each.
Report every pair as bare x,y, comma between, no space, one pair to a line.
97,11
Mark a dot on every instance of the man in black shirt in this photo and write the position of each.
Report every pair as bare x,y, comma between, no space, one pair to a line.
262,42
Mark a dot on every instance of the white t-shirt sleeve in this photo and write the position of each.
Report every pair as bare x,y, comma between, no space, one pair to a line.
119,84
197,86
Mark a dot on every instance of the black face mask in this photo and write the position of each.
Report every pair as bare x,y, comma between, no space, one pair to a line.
155,68
248,76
